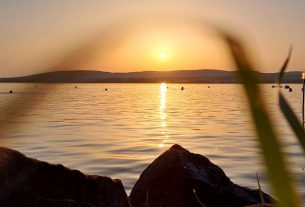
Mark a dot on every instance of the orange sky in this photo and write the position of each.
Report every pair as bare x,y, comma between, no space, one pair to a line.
121,36
185,44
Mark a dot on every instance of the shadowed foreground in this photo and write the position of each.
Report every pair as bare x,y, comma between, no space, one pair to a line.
180,178
177,178
29,182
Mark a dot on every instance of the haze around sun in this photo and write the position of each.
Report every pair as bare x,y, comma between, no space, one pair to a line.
123,36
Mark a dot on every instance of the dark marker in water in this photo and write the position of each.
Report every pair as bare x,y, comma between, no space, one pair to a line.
182,88
106,89
290,89
11,91
75,86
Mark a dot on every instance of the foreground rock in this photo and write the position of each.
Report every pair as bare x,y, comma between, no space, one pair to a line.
29,183
179,178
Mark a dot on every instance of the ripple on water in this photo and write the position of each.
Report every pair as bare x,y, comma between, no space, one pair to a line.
118,133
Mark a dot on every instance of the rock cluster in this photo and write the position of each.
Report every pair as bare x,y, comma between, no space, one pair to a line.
177,178
29,182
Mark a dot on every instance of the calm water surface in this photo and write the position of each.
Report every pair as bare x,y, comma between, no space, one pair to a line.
119,132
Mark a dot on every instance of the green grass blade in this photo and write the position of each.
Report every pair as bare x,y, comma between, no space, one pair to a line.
146,201
197,198
281,74
287,110
260,190
292,120
277,169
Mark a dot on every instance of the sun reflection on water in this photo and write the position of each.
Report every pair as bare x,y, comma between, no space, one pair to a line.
163,115
163,90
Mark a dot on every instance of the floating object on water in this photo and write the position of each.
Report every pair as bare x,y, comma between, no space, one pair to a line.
277,86
106,89
182,88
208,86
287,86
290,89
11,91
75,87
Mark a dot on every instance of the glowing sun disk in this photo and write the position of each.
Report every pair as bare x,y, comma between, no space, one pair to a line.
162,55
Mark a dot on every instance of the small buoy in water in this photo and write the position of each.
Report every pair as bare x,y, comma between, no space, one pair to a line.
208,86
182,88
11,91
106,89
290,89
273,86
75,87
287,86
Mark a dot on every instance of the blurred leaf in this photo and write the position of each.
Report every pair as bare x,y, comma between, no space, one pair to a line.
83,51
287,110
277,169
281,74
292,120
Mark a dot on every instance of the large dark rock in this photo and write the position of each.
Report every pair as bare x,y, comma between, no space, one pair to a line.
179,178
29,182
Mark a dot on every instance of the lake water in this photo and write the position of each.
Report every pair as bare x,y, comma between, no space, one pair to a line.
119,132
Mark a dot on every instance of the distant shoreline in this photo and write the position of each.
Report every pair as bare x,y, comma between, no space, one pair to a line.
146,82
206,76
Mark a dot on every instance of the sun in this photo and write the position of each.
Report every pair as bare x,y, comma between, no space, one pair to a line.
162,55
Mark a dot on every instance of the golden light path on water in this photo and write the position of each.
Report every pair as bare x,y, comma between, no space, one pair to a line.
119,132
163,115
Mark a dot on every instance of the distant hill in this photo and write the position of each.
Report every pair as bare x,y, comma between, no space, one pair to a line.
178,76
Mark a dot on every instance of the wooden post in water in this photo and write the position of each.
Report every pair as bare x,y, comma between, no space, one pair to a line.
303,78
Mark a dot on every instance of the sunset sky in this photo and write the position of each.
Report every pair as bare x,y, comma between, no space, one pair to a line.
137,35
